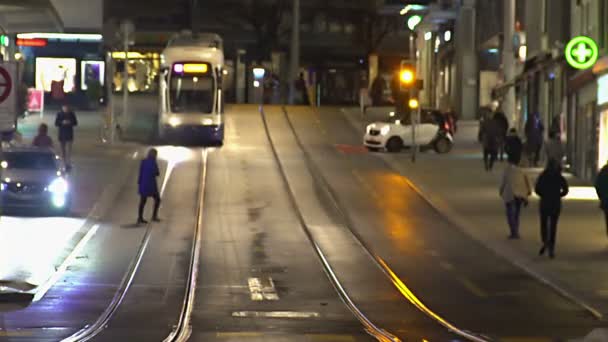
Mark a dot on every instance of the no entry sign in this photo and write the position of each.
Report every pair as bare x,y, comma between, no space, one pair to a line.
8,97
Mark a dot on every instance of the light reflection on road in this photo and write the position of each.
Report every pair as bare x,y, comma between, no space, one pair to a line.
31,248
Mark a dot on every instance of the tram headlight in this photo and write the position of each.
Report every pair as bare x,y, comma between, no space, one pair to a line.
174,121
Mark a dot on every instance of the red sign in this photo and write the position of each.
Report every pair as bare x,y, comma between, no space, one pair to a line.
6,84
35,100
31,42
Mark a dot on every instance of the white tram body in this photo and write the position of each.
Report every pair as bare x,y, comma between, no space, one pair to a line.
191,102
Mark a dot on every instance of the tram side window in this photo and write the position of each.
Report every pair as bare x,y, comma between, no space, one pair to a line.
191,94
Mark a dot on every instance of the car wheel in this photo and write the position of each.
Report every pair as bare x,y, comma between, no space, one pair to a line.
394,144
443,145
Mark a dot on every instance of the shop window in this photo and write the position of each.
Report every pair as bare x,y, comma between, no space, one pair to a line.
91,72
55,72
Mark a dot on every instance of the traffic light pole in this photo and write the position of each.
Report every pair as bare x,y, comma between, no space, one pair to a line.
413,112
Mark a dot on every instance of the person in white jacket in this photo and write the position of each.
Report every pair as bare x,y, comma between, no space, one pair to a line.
514,189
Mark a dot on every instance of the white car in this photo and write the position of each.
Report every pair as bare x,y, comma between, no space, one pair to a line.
432,132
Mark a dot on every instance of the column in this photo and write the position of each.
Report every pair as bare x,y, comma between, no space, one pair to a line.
466,62
508,59
240,76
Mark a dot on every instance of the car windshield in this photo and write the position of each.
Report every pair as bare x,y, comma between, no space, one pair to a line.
29,160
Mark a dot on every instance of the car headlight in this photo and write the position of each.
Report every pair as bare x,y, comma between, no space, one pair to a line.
3,186
174,121
370,127
58,187
384,130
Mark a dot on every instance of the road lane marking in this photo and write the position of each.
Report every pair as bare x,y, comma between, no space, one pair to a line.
240,334
446,265
433,253
276,314
262,290
42,290
472,287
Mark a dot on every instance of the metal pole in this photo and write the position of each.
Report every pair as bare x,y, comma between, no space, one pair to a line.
125,83
295,51
508,59
109,97
413,117
194,14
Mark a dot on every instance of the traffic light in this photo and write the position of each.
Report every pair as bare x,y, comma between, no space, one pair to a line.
407,76
4,40
413,103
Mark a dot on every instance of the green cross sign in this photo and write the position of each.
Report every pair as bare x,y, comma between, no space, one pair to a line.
581,52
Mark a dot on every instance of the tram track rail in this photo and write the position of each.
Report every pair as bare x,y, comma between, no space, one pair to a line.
377,332
182,330
371,328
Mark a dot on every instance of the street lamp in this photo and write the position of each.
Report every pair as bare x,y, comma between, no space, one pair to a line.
258,76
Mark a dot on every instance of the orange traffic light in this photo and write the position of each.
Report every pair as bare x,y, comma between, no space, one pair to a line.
407,77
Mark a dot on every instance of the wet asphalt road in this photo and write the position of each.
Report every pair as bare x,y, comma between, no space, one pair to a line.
256,258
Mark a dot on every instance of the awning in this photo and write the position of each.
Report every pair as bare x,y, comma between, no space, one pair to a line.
19,16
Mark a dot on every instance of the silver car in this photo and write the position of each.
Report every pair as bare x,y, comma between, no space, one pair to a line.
32,178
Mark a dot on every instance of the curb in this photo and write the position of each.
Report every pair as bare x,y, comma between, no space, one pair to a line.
465,226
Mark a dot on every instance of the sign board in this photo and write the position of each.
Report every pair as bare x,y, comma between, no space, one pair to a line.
581,52
8,96
35,100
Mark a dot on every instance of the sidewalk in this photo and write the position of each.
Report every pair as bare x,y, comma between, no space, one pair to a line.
468,197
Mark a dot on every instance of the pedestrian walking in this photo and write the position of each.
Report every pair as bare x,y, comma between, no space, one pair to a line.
601,187
513,145
489,137
43,140
554,149
503,126
514,189
148,171
534,138
551,186
65,122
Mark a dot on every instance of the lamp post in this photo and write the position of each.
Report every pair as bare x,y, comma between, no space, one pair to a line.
258,82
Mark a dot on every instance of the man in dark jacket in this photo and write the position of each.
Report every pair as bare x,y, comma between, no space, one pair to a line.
148,171
489,136
601,187
551,186
65,122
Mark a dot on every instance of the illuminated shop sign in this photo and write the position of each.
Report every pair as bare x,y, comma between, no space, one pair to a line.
581,52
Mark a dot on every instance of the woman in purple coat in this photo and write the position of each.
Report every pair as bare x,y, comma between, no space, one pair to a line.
148,171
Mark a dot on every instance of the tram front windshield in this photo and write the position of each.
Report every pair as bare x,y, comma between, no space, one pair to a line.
192,93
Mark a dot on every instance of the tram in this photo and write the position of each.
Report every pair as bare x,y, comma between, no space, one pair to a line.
191,105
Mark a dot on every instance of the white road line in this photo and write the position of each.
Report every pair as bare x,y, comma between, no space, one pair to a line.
276,314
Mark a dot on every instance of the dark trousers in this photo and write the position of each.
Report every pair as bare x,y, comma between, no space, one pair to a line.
142,205
534,154
513,212
549,217
489,157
